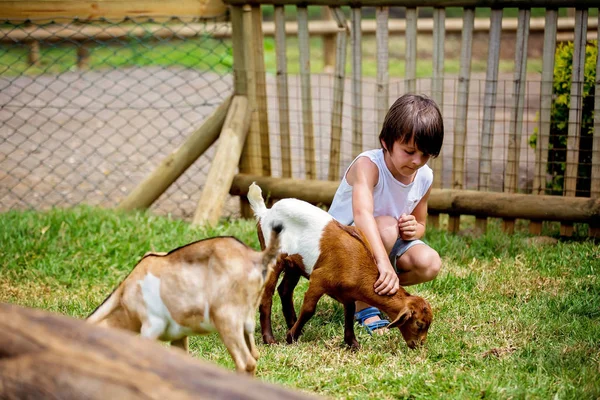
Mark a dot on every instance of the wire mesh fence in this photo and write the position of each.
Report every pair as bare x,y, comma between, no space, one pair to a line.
88,110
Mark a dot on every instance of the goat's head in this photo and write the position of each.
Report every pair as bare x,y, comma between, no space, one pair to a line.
413,321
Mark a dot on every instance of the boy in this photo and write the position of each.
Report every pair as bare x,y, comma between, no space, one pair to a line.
384,192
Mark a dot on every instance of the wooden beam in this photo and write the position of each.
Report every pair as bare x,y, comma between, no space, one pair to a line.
114,10
224,164
457,202
432,3
177,162
47,355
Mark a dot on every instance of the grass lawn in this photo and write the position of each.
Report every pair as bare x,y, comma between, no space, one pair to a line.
511,319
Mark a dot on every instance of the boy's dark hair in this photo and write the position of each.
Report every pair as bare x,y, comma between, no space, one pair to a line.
414,116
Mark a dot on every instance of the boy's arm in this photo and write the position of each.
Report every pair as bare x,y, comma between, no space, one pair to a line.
363,176
412,226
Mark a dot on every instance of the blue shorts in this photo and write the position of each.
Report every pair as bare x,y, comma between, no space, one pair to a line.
400,248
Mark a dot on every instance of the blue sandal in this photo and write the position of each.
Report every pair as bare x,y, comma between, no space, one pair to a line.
369,312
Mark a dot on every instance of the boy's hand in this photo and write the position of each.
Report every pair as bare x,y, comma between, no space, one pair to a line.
387,283
407,226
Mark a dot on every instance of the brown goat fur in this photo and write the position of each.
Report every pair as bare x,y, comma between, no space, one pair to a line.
345,269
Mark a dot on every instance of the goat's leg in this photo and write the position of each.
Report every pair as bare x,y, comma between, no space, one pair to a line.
285,289
249,335
266,304
311,298
232,334
182,343
349,336
153,328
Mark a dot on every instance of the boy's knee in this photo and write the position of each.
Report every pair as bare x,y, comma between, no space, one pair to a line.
434,266
426,266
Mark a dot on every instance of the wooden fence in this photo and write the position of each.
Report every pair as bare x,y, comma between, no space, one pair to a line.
250,81
249,106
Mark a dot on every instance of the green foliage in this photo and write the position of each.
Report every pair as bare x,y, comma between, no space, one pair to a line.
511,319
563,70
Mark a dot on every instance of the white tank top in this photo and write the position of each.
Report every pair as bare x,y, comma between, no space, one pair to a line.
390,197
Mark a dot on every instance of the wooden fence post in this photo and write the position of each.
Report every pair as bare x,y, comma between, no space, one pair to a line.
224,163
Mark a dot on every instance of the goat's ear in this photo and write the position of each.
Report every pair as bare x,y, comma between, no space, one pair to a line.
403,316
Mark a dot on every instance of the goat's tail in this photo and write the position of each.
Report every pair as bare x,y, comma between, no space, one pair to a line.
110,304
257,203
272,251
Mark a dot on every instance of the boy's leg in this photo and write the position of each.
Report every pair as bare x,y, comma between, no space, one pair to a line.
417,264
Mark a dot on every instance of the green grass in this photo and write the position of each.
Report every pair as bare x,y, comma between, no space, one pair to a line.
511,319
205,54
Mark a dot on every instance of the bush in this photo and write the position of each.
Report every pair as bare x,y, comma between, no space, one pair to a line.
557,152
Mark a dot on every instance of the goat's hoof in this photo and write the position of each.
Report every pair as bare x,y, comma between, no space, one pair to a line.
269,340
290,338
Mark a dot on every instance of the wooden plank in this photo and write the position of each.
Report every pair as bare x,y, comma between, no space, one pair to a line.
112,10
224,164
462,105
410,73
237,44
34,53
261,90
595,186
437,82
383,84
465,202
329,40
576,103
481,224
436,3
251,160
454,223
535,227
462,102
177,162
511,177
310,163
283,93
594,229
338,100
508,226
433,219
567,229
543,139
77,360
357,107
489,100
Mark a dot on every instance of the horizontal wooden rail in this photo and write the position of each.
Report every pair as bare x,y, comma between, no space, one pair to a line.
109,9
565,27
446,201
428,3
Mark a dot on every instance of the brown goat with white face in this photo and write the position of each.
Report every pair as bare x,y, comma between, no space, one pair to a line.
339,262
210,285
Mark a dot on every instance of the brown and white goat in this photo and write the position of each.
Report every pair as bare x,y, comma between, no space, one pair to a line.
338,261
210,285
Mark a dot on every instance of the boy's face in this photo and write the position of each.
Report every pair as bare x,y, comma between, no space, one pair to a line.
404,159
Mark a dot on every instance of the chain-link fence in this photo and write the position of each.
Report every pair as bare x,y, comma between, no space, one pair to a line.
88,110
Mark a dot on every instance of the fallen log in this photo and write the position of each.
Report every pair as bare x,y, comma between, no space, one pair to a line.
45,355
